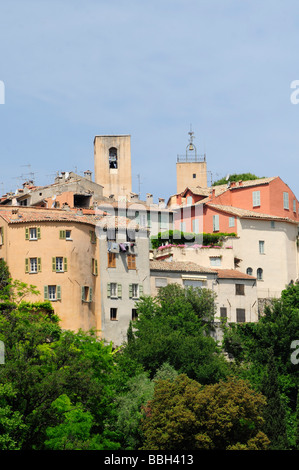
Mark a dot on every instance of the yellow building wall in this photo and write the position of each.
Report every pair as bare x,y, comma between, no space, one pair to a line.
73,312
185,172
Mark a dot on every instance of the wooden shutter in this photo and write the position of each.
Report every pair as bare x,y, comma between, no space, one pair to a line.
96,266
46,293
131,260
39,264
53,264
109,290
26,265
27,233
130,291
90,294
62,234
119,291
83,293
215,223
38,232
65,264
58,292
111,260
140,290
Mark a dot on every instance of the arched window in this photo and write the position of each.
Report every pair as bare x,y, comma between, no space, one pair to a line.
249,271
259,274
112,157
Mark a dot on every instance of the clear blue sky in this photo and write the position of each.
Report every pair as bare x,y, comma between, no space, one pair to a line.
75,69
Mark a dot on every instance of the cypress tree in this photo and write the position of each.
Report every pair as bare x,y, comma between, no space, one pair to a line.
274,414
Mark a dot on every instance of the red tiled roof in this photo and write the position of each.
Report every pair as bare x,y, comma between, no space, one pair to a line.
232,274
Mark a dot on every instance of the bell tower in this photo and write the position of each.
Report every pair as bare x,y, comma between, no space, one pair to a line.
191,168
112,161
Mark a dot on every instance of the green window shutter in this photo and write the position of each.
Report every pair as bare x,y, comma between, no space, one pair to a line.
109,290
62,234
83,294
140,290
65,264
53,264
26,265
130,291
39,264
46,293
26,233
90,294
2,235
96,267
119,291
58,292
38,232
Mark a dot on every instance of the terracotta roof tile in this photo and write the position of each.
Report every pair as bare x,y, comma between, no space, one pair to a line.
232,274
248,214
178,266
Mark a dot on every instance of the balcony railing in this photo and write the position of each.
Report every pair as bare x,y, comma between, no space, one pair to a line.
191,158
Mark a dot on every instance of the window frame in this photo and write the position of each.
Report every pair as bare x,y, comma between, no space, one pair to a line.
131,262
239,289
111,260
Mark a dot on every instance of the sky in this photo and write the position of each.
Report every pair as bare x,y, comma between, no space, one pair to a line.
73,69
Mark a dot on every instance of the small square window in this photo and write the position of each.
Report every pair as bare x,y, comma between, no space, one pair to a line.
113,314
240,315
223,312
194,175
134,314
240,289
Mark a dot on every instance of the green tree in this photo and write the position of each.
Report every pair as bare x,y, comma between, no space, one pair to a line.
276,330
12,427
237,177
43,362
174,328
185,415
274,413
74,431
5,281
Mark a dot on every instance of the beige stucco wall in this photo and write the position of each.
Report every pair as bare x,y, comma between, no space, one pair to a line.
185,173
117,182
226,297
207,279
200,256
79,251
280,261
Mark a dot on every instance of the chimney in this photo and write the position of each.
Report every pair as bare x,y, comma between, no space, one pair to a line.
15,214
88,175
240,183
232,184
134,197
149,199
161,202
